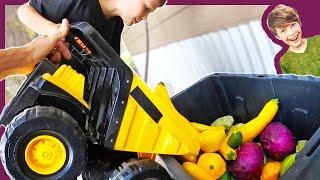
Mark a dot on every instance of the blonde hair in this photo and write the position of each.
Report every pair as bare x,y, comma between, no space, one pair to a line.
281,16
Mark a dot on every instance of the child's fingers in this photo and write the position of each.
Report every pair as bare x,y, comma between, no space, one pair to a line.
67,44
56,57
63,49
66,54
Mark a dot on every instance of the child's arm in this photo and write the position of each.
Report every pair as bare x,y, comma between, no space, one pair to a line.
29,16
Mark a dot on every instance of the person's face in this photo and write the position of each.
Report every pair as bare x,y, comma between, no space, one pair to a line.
291,35
133,11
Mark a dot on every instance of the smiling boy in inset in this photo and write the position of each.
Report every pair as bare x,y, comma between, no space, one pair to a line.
302,56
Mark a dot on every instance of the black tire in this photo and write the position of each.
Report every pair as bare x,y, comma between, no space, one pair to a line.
37,121
140,170
102,162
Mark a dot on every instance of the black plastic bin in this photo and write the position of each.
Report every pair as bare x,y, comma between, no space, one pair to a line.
244,95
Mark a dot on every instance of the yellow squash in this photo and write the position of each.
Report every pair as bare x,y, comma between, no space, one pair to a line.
203,127
212,163
190,158
251,129
197,172
254,127
226,151
211,140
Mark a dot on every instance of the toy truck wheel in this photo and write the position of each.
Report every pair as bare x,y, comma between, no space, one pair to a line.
140,170
43,143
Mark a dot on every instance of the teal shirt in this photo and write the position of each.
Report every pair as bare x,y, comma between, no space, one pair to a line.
303,63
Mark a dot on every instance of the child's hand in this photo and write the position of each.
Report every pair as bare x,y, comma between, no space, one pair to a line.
61,50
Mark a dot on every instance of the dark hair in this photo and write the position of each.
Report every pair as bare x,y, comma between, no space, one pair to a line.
280,16
162,2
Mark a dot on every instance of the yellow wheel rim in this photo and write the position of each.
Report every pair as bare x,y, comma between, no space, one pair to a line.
45,154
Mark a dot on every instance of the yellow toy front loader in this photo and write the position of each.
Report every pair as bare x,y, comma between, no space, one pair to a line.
94,98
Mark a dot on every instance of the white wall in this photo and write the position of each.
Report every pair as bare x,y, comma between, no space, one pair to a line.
244,48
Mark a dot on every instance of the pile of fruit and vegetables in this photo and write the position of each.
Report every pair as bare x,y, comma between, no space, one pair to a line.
232,151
